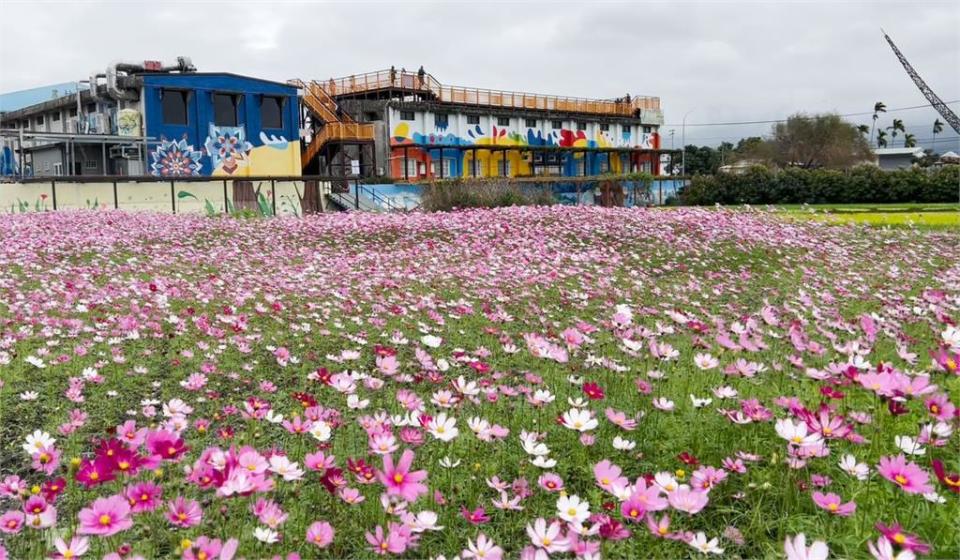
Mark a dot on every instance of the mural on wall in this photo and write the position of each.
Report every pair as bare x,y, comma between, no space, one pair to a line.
128,122
228,148
175,158
511,163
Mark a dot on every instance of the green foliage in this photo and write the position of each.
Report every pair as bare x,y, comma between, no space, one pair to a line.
861,184
483,193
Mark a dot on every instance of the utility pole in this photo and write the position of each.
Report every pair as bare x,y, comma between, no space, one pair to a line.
683,141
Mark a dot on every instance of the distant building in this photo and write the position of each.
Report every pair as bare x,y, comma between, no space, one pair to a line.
146,119
896,158
422,129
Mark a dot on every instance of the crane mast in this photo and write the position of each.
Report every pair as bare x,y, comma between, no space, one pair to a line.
932,97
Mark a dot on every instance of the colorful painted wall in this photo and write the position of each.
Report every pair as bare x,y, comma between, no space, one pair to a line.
424,129
202,148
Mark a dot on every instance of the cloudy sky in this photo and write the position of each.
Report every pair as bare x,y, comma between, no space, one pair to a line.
716,62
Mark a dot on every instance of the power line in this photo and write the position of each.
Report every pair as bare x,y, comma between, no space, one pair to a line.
737,123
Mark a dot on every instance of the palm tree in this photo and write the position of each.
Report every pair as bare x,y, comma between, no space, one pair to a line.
878,108
897,126
909,141
881,139
937,129
863,129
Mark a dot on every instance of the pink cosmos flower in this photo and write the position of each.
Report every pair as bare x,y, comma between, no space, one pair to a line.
395,541
144,496
907,475
895,534
797,549
832,503
399,480
547,538
483,549
608,475
105,517
551,482
687,500
11,522
320,533
205,548
185,513
77,547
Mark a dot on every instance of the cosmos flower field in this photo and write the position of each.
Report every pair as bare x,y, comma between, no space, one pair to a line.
528,383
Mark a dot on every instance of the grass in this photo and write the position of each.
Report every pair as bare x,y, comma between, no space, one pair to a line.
919,215
480,281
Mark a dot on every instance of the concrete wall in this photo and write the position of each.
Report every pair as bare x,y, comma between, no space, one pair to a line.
281,198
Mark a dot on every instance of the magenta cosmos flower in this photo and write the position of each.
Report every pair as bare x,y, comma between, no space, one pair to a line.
399,480
105,517
907,475
320,533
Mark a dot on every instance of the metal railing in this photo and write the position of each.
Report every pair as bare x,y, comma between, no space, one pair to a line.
399,79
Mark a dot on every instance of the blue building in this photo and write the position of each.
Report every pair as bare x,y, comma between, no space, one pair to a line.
221,124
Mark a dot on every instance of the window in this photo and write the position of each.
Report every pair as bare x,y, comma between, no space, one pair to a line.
503,121
271,111
224,109
581,125
40,120
373,116
73,112
90,164
91,107
473,119
557,125
406,115
647,130
531,123
441,120
411,168
57,168
56,117
174,105
605,127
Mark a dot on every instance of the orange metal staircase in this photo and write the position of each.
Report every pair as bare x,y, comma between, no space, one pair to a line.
336,125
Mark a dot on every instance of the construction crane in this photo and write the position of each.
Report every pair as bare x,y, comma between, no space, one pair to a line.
937,103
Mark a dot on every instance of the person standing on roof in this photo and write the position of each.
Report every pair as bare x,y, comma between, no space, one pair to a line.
421,74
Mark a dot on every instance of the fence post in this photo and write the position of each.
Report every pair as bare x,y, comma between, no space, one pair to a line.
173,198
116,198
356,197
53,193
273,195
226,199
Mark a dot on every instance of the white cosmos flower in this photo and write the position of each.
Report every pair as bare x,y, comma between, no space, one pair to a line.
29,396
666,481
580,420
38,440
796,432
575,379
700,403
622,444
448,463
705,361
543,462
850,465
443,364
934,498
572,510
354,402
725,392
700,542
273,417
909,445
578,402
943,430
663,403
34,361
321,430
286,468
951,337
443,427
265,535
431,341
478,424
423,521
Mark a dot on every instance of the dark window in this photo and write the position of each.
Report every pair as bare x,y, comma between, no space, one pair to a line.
56,116
441,120
271,112
473,119
647,130
531,123
557,124
503,121
39,120
90,164
91,107
373,116
73,112
605,127
406,115
224,109
174,105
581,125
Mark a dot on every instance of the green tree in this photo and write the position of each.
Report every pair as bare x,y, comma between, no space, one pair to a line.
909,141
881,139
817,141
937,129
863,129
878,108
896,127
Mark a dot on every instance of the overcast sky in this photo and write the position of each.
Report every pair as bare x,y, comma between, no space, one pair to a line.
719,61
